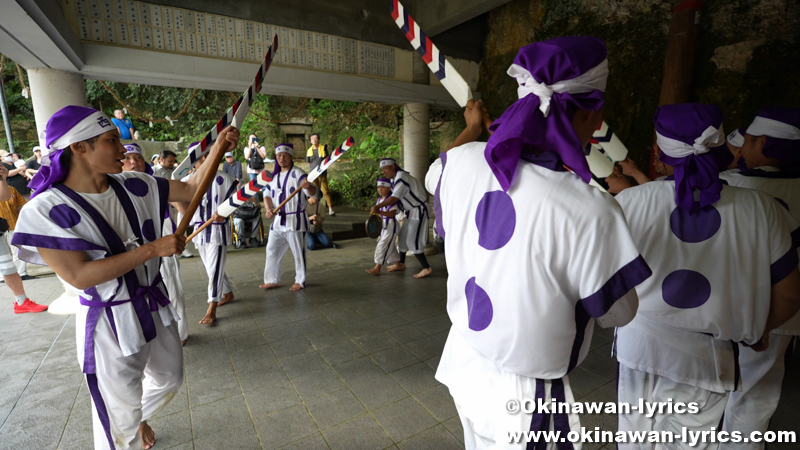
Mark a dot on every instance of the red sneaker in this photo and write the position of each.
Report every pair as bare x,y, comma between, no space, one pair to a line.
28,307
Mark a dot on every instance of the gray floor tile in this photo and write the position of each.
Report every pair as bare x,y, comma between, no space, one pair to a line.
379,392
358,370
455,428
322,339
415,378
281,332
437,437
334,408
213,417
260,376
274,397
359,433
243,437
292,346
375,342
341,352
212,389
302,364
359,329
425,348
437,401
317,384
404,419
313,442
406,333
284,427
243,341
172,430
394,358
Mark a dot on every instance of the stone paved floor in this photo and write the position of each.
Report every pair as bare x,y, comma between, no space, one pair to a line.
348,363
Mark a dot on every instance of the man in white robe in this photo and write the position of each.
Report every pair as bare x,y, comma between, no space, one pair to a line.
535,256
720,256
770,148
100,231
288,230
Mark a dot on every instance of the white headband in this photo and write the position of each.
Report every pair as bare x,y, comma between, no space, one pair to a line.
711,137
384,184
736,139
388,162
91,126
762,126
591,80
283,149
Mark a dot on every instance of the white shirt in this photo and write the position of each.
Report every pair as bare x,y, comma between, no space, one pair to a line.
293,216
711,282
410,193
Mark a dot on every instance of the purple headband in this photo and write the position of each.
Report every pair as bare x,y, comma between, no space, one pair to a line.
691,140
68,125
556,77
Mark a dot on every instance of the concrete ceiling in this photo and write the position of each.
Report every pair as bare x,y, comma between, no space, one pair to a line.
457,25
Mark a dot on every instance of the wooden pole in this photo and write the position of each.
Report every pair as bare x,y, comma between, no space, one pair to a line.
213,159
275,211
676,84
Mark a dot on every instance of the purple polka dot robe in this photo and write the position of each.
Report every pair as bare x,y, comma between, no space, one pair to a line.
292,217
222,187
712,277
529,272
53,220
786,190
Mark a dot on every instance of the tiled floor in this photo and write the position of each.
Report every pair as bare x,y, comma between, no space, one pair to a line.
347,363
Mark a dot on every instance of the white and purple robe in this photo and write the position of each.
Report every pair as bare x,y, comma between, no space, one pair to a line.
530,272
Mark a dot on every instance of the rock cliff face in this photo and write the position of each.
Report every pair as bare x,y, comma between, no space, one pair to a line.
747,56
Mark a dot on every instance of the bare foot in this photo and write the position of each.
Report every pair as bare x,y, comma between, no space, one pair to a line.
295,287
375,270
211,314
227,298
397,267
269,285
183,342
424,273
148,436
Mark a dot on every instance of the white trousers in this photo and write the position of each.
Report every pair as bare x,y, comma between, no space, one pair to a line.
634,385
386,248
413,236
214,257
132,388
495,435
751,408
22,266
171,273
278,243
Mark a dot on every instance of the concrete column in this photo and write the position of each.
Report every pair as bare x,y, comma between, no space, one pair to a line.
52,90
416,139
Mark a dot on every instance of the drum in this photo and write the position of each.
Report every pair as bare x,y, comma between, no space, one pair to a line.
374,226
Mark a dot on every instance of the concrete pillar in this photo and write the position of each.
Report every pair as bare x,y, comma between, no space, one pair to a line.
416,139
52,90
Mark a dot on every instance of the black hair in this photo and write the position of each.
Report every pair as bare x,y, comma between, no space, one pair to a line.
313,134
167,153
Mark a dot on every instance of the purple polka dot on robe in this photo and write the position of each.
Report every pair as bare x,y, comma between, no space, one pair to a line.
496,219
686,289
479,306
136,186
697,227
149,230
64,216
291,190
220,180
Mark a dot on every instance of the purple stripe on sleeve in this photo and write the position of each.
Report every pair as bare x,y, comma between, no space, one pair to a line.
626,278
437,201
163,196
55,243
581,322
781,268
796,238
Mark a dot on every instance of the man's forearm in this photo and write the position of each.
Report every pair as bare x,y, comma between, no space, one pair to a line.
81,273
388,202
470,134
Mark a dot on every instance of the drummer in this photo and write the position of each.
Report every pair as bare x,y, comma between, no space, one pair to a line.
385,250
